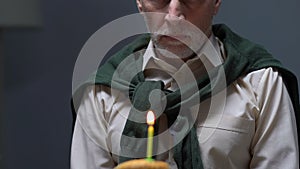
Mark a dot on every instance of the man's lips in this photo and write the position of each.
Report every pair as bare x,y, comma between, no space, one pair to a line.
174,39
179,37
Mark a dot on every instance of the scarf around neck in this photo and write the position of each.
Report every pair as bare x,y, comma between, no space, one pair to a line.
242,57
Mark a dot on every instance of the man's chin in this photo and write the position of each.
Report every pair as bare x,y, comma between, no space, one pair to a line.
175,51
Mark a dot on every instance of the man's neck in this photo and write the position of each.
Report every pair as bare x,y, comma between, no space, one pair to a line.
178,61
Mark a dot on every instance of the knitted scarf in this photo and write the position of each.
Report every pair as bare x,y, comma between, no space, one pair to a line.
242,57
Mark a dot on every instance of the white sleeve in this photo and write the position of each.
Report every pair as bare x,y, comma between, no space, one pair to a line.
90,149
275,142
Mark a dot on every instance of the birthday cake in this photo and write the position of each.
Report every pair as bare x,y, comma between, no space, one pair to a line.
143,164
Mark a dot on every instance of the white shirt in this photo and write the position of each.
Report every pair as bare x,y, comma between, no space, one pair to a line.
255,129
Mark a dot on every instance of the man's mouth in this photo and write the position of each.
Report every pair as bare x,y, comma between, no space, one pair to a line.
174,39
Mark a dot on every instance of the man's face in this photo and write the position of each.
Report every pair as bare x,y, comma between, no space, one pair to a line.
175,21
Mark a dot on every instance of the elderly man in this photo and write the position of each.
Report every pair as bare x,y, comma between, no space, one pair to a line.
248,122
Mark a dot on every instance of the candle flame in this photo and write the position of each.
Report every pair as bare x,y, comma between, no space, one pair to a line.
150,118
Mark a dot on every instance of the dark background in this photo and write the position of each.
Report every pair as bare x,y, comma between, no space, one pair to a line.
38,66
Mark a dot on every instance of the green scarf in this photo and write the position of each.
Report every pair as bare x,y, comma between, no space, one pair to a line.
242,57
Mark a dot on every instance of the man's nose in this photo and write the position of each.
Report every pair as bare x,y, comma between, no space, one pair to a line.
175,9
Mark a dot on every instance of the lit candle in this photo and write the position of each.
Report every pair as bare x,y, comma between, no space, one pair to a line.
150,122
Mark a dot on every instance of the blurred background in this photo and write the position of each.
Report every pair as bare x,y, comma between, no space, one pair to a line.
40,41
